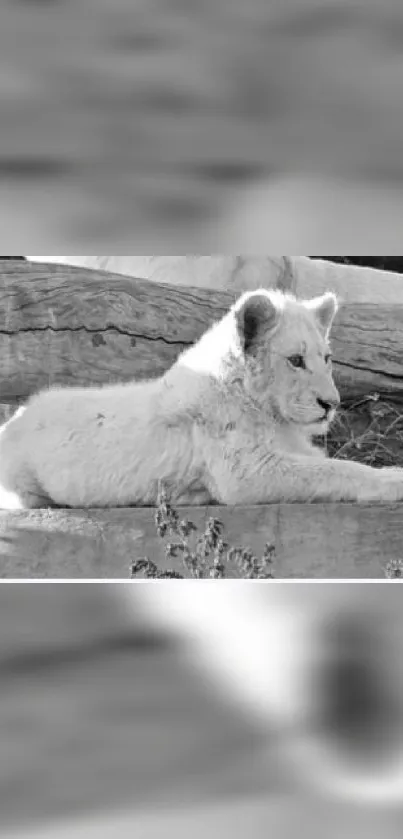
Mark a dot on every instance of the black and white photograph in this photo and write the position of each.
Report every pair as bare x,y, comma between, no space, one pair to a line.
215,417
166,709
201,455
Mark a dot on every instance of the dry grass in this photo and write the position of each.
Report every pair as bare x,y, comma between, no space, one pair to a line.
368,431
204,557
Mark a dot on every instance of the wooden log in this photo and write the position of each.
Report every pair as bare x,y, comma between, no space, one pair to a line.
219,271
352,284
62,325
320,541
299,274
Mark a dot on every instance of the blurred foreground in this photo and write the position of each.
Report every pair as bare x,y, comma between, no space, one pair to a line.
164,125
191,709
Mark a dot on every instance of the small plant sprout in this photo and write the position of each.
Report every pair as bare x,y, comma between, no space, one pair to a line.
205,557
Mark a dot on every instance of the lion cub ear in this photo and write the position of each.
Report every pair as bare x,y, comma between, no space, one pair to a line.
256,316
325,309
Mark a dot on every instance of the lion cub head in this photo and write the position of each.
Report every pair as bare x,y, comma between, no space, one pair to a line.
283,344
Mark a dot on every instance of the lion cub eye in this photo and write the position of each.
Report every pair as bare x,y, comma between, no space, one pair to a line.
297,361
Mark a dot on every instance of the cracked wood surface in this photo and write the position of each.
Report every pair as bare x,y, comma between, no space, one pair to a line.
70,326
318,541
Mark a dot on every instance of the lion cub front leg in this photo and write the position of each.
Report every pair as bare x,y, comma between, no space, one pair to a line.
258,477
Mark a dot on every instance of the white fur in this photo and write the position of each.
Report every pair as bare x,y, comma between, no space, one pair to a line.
223,424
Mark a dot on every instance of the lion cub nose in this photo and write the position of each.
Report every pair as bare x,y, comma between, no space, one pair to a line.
328,405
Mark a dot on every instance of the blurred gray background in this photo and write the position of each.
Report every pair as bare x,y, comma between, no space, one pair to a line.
98,714
171,125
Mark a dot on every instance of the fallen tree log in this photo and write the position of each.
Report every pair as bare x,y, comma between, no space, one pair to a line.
64,325
352,284
322,541
218,271
297,274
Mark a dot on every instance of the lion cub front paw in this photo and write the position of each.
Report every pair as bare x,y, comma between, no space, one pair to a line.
386,487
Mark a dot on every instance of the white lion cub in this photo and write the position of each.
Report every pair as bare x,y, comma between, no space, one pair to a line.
231,422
